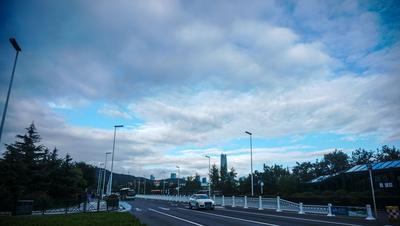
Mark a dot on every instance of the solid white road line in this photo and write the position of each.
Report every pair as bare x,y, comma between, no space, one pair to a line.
234,218
169,215
163,208
293,218
138,209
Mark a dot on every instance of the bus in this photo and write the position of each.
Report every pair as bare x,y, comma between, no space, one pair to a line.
127,193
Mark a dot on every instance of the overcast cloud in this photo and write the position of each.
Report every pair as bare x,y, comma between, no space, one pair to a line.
186,78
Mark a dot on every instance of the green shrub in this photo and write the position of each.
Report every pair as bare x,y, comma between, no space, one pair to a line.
112,201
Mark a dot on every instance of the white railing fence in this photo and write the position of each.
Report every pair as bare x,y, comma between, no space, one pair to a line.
261,203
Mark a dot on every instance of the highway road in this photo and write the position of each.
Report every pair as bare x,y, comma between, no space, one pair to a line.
163,213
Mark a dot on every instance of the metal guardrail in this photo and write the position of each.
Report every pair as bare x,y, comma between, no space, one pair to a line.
83,207
260,203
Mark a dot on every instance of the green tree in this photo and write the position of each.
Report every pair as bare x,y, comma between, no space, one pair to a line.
288,184
214,177
88,174
361,156
68,182
192,184
229,185
388,154
23,166
336,161
304,171
271,177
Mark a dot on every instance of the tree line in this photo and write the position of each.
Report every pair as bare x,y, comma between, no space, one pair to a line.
280,180
29,170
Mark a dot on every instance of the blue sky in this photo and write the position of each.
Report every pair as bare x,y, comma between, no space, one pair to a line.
187,78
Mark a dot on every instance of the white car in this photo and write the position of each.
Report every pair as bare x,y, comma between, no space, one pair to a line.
201,201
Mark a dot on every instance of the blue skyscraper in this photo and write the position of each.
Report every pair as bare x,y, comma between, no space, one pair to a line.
224,164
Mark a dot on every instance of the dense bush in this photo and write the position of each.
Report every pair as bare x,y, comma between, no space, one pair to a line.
112,201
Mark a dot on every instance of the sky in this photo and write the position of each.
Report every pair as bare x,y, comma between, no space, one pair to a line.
188,78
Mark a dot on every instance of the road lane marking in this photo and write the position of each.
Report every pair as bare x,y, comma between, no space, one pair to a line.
293,218
235,218
169,215
163,208
138,209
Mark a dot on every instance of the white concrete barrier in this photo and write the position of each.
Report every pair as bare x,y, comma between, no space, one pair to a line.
260,206
278,204
330,210
369,213
301,211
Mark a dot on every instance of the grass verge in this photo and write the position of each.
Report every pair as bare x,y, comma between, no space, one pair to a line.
81,219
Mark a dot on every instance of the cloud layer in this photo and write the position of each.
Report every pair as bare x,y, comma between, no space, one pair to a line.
196,75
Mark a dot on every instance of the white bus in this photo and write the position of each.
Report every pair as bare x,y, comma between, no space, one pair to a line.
127,193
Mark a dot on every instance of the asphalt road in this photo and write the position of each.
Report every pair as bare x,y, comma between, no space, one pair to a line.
163,213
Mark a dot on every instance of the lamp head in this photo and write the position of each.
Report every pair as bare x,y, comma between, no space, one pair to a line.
15,44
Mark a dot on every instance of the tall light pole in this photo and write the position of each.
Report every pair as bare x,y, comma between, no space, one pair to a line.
372,188
209,175
112,160
251,161
17,49
179,188
104,175
99,179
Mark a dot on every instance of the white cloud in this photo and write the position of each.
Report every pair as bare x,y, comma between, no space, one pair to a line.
114,111
199,74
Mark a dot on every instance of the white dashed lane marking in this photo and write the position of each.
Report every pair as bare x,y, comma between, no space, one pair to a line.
178,218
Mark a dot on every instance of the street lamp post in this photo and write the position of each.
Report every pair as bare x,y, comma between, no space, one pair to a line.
17,49
372,188
209,175
179,188
104,174
99,179
112,160
251,161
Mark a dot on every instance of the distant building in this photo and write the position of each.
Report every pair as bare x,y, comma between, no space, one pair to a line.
152,177
224,164
197,178
203,180
173,175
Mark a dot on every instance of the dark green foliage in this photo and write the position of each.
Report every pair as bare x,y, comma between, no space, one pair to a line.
214,176
336,162
361,156
281,181
112,201
387,154
30,171
224,182
304,171
192,184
